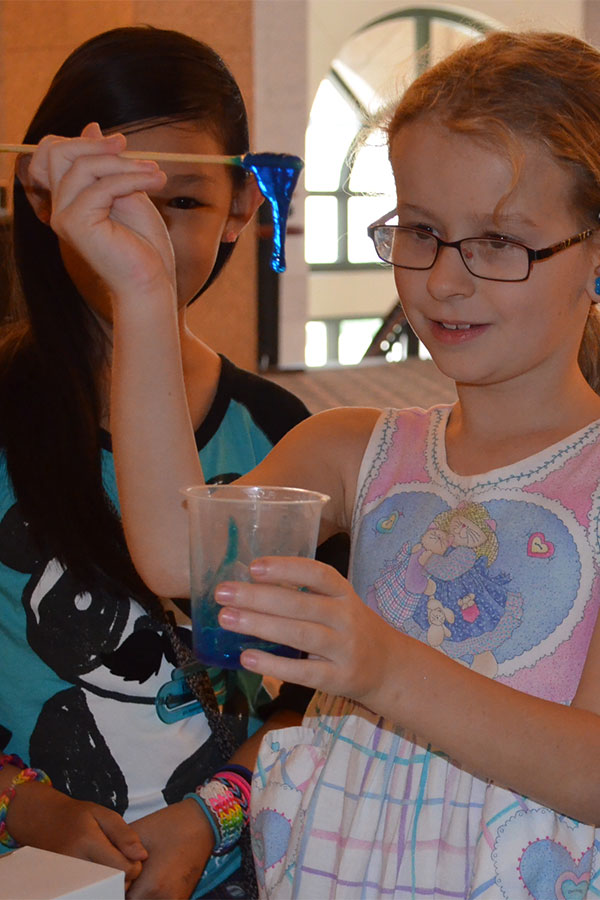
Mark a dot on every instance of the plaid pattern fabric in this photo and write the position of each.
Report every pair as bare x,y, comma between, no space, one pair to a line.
350,806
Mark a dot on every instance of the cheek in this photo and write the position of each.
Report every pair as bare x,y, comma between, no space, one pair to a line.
412,288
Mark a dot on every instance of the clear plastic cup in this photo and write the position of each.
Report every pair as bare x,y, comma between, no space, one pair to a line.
230,526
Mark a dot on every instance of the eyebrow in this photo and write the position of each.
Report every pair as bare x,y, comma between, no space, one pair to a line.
191,178
497,218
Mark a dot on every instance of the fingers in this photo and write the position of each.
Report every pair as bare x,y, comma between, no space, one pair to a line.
70,167
310,672
54,154
86,195
120,846
313,621
119,833
298,572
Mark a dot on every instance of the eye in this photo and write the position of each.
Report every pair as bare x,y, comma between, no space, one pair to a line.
185,203
417,227
500,241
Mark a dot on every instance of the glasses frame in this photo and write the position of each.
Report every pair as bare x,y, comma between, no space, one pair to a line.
533,255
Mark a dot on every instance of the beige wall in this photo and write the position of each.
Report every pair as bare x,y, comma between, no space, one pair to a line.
35,37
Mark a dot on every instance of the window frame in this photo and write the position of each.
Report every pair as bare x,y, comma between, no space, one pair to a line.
423,18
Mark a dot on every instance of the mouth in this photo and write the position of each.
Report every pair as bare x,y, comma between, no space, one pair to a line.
456,326
456,332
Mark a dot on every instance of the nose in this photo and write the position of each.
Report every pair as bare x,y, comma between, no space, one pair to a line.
449,277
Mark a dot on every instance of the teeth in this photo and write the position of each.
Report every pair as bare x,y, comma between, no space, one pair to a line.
455,327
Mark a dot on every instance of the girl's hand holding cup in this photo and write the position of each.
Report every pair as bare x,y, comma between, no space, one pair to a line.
306,604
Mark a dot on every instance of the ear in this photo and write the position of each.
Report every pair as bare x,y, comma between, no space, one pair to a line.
38,196
246,201
595,289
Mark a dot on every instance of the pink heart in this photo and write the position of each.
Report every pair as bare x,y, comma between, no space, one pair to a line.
570,886
539,547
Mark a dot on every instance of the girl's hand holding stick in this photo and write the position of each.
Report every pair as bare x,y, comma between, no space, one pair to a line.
97,203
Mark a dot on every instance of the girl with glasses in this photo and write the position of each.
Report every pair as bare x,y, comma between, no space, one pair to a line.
452,747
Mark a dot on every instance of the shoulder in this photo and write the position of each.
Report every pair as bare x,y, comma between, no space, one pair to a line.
325,453
344,424
273,408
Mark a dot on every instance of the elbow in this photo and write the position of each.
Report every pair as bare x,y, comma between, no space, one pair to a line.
165,583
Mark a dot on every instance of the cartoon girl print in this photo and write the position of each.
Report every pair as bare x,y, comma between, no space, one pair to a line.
480,610
443,584
403,581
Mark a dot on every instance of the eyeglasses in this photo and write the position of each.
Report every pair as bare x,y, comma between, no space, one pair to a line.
494,259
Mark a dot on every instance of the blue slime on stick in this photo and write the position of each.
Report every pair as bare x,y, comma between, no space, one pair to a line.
276,175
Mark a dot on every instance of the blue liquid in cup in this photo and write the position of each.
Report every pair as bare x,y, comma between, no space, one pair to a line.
214,646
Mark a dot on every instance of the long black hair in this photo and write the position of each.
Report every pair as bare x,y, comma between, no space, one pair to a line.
50,355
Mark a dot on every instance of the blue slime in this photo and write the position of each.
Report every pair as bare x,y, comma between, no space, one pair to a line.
276,175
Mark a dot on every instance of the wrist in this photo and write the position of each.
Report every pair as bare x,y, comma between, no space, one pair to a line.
390,656
22,779
26,810
199,824
225,802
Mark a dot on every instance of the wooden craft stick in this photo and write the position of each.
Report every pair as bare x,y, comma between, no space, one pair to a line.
144,154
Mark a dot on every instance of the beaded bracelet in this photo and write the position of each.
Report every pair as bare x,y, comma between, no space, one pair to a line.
225,799
11,759
24,775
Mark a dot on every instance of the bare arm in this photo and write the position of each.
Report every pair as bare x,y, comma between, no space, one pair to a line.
541,749
179,837
40,816
100,208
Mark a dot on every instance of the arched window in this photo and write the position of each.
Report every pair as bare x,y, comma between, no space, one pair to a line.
370,71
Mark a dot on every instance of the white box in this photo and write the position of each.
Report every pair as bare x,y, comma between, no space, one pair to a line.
32,874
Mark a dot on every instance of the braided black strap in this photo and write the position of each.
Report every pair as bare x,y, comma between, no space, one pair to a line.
201,686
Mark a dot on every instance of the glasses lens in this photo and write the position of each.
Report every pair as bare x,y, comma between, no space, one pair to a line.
497,260
405,247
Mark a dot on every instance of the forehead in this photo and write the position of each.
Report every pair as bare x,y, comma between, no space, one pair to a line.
437,169
183,137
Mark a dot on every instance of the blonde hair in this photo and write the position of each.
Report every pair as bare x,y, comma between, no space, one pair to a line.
541,86
479,515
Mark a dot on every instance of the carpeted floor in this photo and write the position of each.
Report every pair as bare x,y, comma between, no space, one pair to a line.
413,382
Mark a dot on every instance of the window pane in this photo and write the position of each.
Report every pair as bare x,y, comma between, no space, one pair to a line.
378,62
315,351
330,132
355,335
320,229
361,212
371,169
445,37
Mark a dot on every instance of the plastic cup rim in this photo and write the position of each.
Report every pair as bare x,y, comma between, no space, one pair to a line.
304,495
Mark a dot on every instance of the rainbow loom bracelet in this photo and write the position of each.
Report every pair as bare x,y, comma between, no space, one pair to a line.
225,799
24,775
11,759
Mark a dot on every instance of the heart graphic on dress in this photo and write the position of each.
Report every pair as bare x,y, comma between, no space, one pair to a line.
570,887
386,525
549,872
270,837
538,546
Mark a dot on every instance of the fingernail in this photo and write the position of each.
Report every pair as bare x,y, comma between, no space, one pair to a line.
229,617
225,593
248,659
258,567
